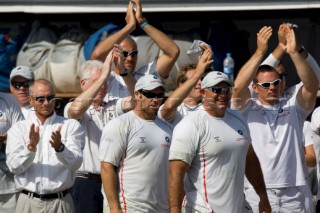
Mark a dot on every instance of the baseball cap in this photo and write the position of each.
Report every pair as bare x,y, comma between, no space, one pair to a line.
215,77
149,82
22,71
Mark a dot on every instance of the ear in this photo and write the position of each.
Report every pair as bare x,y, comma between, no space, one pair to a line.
255,88
137,95
203,93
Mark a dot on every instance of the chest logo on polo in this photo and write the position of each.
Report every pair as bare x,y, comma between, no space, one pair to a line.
280,110
167,139
240,132
142,139
217,139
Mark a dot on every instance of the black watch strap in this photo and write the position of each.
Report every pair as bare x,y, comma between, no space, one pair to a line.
60,149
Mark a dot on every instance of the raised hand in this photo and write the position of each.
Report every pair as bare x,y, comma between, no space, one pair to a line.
205,59
34,138
56,138
263,37
138,11
130,16
118,58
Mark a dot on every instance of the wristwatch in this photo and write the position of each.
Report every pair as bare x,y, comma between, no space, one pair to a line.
124,74
60,149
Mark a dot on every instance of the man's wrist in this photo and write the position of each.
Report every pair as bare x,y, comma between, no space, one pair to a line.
143,22
60,148
32,148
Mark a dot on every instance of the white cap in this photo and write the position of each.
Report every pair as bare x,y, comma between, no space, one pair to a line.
22,71
215,77
149,82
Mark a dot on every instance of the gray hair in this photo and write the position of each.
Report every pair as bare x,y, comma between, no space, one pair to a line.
87,67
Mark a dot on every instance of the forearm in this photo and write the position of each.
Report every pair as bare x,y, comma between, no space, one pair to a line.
254,173
104,47
305,73
81,104
176,189
130,83
109,181
169,48
177,96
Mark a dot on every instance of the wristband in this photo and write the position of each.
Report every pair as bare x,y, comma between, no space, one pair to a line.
143,25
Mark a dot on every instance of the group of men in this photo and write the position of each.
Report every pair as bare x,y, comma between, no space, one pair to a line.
211,146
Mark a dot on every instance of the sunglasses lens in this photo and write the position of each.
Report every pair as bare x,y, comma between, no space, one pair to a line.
265,85
219,90
152,95
125,53
17,84
133,53
276,83
41,99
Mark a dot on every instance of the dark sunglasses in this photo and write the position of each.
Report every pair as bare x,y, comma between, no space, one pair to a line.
266,85
219,90
132,53
41,99
17,84
149,94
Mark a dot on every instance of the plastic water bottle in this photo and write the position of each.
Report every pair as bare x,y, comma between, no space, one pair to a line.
228,66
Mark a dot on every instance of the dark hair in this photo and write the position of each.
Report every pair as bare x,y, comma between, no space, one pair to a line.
265,68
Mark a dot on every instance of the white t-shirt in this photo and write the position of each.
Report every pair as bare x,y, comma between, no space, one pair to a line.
93,122
45,171
10,113
277,139
182,111
315,125
215,149
117,88
139,149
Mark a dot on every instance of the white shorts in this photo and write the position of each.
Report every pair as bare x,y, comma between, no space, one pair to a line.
297,199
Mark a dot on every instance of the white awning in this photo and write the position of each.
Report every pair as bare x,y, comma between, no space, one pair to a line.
115,6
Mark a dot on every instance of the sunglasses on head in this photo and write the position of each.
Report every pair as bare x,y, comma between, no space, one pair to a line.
132,53
149,94
218,90
41,99
17,84
266,85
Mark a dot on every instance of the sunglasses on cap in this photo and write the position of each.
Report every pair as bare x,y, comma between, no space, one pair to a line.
132,53
266,85
24,84
41,99
219,90
149,94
